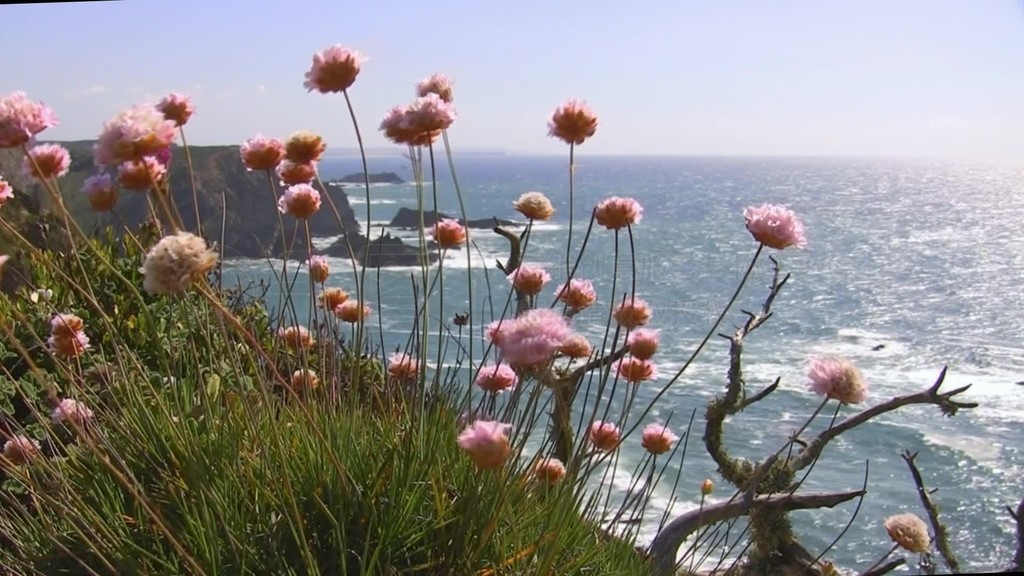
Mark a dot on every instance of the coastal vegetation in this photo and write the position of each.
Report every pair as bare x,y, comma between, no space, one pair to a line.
156,421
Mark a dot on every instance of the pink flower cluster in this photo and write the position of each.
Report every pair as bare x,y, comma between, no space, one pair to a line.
21,119
533,338
496,378
615,213
436,84
403,368
837,378
262,153
578,295
775,226
419,123
67,336
334,69
46,161
572,122
529,279
486,443
300,200
132,135
72,412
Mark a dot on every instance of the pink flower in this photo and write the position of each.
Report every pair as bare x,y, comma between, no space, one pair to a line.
6,192
177,108
529,279
262,153
436,84
300,200
46,161
420,123
350,311
133,134
535,337
572,122
632,313
605,436
304,147
580,294
449,233
319,270
296,337
292,173
615,212
837,378
534,205
71,412
67,336
20,450
334,69
775,226
548,470
657,438
487,443
496,378
495,331
142,174
21,119
634,370
163,156
403,368
576,347
643,343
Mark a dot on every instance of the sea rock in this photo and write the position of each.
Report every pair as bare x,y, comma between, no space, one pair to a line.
409,219
384,251
375,178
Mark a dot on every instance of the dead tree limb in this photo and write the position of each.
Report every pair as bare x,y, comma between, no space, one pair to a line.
665,547
941,540
1018,517
885,568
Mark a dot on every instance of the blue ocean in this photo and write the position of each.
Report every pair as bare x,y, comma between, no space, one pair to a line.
910,266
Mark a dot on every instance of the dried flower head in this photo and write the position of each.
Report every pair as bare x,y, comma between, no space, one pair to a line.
133,134
615,213
296,337
909,531
576,347
304,379
643,343
46,161
300,200
20,450
304,147
632,313
436,83
487,443
548,471
605,436
177,108
657,438
496,378
350,311
331,298
529,279
579,294
141,175
534,338
534,205
72,412
21,119
775,226
449,233
319,269
572,122
707,487
175,263
101,191
334,69
837,378
292,173
262,153
67,336
403,368
635,370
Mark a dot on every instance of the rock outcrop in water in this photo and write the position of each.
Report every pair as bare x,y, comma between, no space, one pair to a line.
409,219
375,178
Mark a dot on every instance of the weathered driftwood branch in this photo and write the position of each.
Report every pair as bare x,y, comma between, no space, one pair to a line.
1018,517
941,540
943,400
885,568
665,547
515,250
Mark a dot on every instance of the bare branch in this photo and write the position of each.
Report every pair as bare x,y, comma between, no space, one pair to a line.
885,568
760,395
943,400
941,540
514,250
666,544
1018,517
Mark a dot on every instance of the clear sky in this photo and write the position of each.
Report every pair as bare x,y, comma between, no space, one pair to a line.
932,78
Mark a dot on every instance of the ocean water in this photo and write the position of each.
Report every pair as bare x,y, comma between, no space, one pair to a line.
922,258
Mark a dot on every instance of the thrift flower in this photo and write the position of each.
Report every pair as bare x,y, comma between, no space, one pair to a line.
576,347
349,311
496,378
331,298
634,370
642,343
334,69
304,380
605,436
71,412
262,153
300,200
572,122
21,119
101,191
319,270
46,161
133,134
141,175
534,205
909,531
292,173
175,263
837,378
419,123
495,331
20,450
549,471
67,336
529,279
578,295
403,368
296,337
449,233
657,439
6,192
535,337
615,213
304,147
487,443
436,84
632,313
775,226
177,108
707,487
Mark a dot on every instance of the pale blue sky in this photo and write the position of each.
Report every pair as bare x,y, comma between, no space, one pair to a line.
931,78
